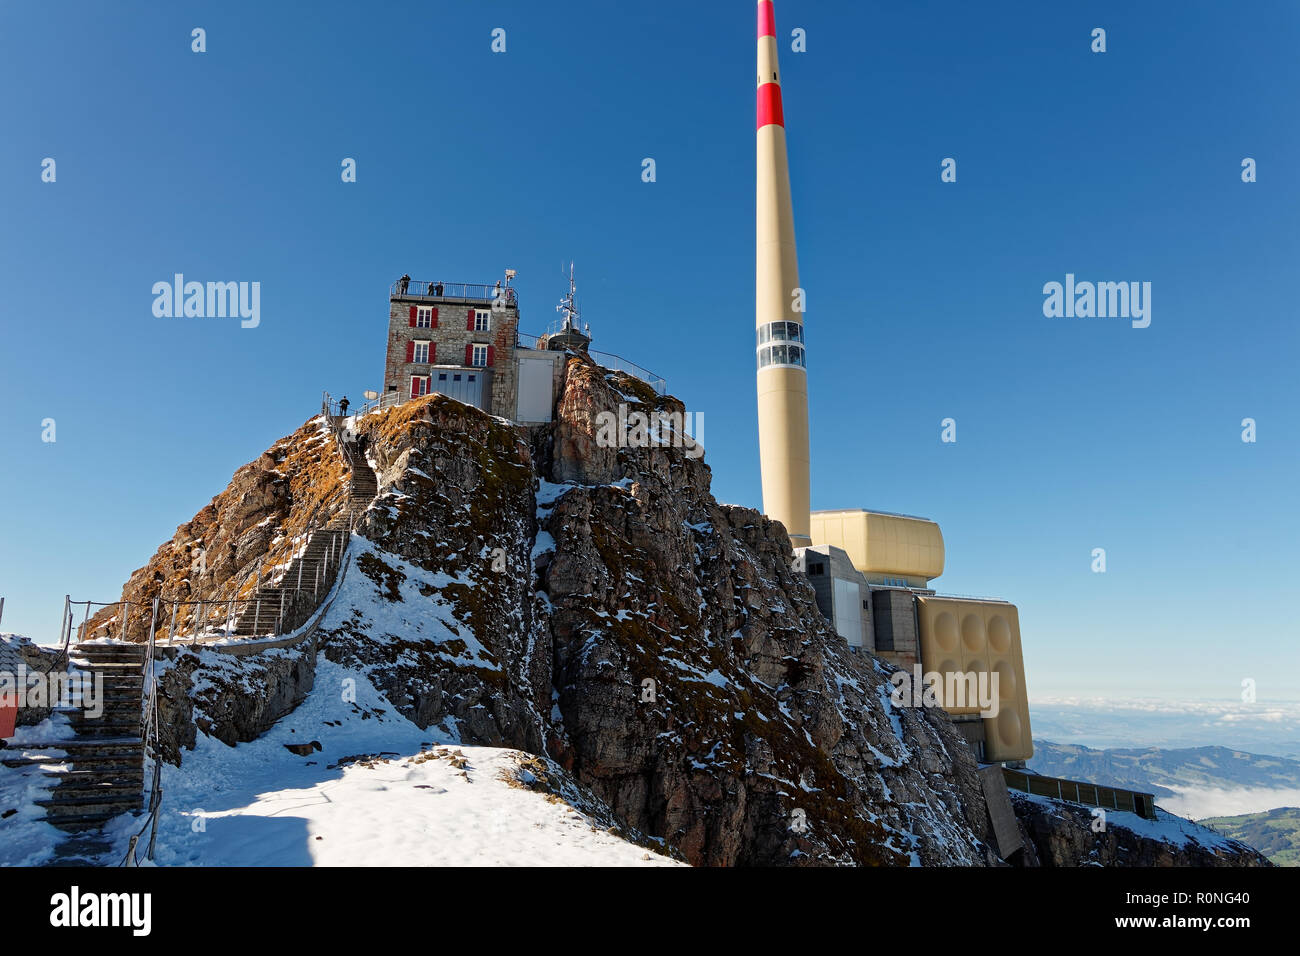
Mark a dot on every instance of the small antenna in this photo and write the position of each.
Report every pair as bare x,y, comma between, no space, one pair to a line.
569,304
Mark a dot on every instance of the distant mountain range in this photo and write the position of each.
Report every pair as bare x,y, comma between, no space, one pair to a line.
1275,833
1167,773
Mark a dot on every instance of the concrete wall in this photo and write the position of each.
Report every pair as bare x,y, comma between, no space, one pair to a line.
823,564
894,616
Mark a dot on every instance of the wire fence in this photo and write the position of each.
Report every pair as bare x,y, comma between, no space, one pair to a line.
615,363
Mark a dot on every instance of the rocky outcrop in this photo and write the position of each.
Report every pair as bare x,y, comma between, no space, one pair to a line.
652,641
230,698
1068,834
439,610
580,595
299,482
764,740
18,653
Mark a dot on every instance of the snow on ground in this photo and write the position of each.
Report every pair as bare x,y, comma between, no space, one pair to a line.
25,838
425,801
1166,827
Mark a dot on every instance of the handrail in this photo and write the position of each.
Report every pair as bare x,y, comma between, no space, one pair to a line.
1121,798
437,289
615,363
149,734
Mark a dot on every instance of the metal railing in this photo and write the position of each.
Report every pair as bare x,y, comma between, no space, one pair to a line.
469,291
972,597
331,409
1078,791
615,363
149,735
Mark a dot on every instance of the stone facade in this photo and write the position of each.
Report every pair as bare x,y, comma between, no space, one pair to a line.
450,338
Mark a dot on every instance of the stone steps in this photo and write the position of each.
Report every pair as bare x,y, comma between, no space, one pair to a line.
315,567
99,773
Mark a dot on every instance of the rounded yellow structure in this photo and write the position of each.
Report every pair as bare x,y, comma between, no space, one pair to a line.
778,310
886,548
967,642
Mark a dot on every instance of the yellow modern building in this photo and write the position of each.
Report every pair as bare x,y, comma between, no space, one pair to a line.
872,572
887,548
979,639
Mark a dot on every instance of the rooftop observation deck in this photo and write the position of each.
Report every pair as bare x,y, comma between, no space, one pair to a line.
437,290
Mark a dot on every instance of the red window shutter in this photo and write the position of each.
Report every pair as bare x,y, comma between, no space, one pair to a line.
489,364
434,321
415,387
412,320
410,351
433,353
469,327
469,354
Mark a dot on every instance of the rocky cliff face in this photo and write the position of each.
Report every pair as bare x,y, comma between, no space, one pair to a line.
1067,834
252,525
548,590
551,591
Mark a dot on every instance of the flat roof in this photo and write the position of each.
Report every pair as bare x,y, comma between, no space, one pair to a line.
870,511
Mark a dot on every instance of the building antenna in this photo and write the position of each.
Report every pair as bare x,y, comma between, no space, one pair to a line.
568,306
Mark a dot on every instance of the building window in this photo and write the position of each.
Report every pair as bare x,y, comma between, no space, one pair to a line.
442,376
419,385
482,320
785,354
780,332
421,354
424,317
479,358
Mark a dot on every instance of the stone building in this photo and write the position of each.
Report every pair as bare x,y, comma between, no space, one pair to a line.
454,338
463,340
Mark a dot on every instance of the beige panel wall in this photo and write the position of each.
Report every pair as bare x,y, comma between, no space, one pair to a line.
977,637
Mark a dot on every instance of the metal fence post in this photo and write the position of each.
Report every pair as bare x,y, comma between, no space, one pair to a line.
171,628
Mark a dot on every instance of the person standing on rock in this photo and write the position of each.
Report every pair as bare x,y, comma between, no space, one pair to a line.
343,406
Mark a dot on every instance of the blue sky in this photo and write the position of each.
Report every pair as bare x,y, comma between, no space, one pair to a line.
924,298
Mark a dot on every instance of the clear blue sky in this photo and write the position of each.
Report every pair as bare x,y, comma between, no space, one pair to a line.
925,298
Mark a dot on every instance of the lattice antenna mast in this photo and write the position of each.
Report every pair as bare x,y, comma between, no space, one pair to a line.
568,306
